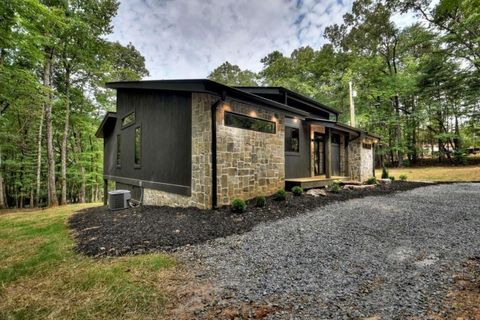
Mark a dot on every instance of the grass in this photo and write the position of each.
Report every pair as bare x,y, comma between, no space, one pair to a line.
42,277
436,173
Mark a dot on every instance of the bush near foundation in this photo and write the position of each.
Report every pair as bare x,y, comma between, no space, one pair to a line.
372,180
238,206
403,177
260,201
334,187
297,191
280,195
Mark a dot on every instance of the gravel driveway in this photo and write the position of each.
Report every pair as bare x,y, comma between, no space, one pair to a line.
390,257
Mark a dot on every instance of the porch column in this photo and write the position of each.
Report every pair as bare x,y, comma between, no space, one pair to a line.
347,163
105,191
328,153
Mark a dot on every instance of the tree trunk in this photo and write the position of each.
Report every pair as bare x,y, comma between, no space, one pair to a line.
32,197
52,192
39,158
457,141
398,132
77,147
3,204
63,145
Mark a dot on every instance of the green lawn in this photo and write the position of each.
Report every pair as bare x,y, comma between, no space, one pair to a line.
436,173
41,277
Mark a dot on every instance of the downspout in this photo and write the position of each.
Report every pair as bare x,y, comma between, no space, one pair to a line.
213,111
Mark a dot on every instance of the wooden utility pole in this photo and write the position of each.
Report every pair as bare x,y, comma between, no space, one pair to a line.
352,105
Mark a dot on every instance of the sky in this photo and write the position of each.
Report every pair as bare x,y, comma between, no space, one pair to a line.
189,38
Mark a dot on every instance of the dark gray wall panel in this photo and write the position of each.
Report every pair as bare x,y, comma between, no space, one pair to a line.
297,165
166,123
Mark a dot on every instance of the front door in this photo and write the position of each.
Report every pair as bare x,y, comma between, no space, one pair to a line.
319,154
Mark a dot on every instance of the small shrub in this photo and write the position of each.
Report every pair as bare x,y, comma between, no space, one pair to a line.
392,178
334,187
384,172
238,206
281,195
260,201
403,177
372,180
459,157
297,191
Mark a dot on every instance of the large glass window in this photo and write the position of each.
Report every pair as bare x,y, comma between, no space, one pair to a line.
138,146
118,150
292,139
249,123
335,138
129,119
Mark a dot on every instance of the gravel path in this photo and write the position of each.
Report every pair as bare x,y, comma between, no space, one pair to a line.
390,256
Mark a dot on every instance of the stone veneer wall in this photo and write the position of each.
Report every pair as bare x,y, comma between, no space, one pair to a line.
201,185
360,161
249,163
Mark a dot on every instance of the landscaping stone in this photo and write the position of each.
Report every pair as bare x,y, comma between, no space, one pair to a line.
360,187
384,181
351,182
316,192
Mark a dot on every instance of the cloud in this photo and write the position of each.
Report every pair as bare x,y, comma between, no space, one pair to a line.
189,38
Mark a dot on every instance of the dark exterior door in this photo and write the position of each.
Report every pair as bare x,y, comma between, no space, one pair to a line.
319,154
335,155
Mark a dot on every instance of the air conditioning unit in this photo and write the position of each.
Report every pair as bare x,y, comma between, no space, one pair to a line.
118,199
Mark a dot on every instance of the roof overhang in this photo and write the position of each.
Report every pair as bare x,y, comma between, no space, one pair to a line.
291,95
107,125
356,132
205,86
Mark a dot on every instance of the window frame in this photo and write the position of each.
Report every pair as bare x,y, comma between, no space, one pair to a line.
131,123
135,164
119,150
248,117
291,152
368,146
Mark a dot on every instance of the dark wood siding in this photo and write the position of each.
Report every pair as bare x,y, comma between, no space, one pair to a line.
297,165
166,123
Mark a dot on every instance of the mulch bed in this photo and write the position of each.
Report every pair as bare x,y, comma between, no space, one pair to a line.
100,232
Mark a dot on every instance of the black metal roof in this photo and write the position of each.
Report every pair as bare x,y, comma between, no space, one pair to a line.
290,93
108,123
252,94
207,86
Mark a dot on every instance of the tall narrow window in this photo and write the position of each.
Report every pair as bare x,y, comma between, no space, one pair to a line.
118,150
138,146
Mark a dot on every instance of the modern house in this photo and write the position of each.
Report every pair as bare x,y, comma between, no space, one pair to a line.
201,143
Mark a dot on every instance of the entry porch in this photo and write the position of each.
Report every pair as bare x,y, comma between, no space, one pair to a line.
313,182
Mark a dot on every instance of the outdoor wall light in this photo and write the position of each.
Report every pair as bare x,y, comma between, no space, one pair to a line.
226,107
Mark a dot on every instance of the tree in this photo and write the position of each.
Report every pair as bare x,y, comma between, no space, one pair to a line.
85,23
457,20
54,63
232,75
